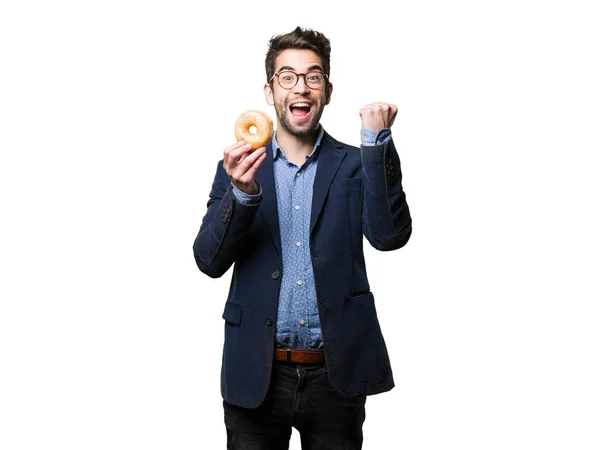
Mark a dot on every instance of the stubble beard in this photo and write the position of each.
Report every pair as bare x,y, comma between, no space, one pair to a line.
283,115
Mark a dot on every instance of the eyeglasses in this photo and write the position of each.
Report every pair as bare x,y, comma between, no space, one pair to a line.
288,79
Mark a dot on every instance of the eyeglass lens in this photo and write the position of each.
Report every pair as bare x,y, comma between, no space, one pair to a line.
313,80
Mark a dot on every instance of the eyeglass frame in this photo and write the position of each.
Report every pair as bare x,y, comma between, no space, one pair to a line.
298,75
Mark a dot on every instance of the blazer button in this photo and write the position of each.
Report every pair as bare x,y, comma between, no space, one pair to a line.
269,321
275,275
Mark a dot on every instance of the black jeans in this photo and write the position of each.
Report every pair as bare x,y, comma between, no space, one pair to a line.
300,396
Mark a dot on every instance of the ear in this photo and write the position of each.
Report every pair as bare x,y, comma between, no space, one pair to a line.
268,94
328,94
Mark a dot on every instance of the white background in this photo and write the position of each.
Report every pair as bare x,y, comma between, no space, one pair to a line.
113,116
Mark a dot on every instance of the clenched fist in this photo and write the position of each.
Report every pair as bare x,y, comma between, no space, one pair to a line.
378,115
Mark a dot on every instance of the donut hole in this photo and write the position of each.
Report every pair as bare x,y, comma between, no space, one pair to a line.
252,129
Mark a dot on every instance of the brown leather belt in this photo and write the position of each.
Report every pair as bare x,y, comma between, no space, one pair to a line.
292,355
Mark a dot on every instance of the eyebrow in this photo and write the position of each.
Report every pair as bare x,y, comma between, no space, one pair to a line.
310,69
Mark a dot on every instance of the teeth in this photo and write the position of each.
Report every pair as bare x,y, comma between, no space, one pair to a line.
300,105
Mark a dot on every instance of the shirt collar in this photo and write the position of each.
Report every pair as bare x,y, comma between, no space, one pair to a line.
277,148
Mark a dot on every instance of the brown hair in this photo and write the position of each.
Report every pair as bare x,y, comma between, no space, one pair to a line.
300,38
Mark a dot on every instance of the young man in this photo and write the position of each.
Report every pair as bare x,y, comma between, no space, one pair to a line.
303,347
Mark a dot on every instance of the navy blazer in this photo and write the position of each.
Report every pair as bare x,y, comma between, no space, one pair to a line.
352,197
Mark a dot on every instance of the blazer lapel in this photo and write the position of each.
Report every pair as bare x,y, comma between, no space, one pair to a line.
331,155
268,206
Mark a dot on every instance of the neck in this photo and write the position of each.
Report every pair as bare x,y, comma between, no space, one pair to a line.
296,148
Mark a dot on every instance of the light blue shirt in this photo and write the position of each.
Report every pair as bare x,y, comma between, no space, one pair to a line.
298,324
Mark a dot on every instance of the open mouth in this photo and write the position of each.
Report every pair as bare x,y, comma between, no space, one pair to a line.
300,110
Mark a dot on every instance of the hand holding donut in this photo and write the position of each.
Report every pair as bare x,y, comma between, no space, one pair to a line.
241,163
242,159
378,115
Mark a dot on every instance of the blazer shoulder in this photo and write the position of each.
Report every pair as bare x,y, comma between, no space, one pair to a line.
351,149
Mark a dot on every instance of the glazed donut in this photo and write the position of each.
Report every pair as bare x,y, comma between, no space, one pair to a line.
257,119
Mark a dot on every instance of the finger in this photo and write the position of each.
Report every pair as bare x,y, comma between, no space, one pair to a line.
249,159
232,147
369,112
392,113
383,106
249,175
239,170
372,109
240,153
234,153
228,151
252,157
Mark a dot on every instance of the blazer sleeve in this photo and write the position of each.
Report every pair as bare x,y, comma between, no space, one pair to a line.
224,225
387,224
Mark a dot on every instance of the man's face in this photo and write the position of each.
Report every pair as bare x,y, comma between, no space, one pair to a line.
298,109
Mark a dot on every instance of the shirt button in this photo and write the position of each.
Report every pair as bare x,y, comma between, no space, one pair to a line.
302,322
269,321
297,174
275,275
298,244
299,282
297,207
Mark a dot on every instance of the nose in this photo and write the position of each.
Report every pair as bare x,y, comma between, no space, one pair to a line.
301,86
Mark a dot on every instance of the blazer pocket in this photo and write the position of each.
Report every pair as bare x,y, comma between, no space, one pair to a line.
233,313
358,301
